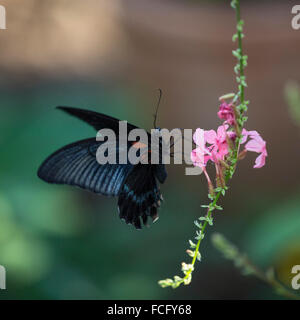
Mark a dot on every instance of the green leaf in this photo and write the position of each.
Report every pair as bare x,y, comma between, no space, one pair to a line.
198,256
198,225
192,244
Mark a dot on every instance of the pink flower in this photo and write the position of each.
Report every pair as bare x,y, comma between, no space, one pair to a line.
255,144
226,113
216,150
198,155
219,148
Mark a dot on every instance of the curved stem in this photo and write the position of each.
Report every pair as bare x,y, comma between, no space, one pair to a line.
240,45
209,214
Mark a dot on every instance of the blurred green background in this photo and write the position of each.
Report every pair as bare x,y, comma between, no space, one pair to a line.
58,242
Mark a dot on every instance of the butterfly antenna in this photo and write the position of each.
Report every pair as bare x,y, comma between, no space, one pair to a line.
157,107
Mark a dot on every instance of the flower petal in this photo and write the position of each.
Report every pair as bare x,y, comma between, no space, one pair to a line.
245,135
255,146
221,132
260,161
254,134
198,137
197,157
210,136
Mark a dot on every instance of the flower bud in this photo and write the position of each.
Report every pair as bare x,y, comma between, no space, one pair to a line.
227,96
190,253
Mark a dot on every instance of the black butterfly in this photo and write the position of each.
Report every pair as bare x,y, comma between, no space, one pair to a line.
136,186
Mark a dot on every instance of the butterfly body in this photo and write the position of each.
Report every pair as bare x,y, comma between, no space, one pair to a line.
135,185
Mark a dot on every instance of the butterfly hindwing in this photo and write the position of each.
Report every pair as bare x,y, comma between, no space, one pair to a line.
139,196
160,172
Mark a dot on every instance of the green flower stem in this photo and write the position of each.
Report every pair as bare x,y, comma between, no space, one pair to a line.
209,215
240,71
229,166
240,45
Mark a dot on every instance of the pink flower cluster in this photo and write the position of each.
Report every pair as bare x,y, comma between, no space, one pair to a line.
215,146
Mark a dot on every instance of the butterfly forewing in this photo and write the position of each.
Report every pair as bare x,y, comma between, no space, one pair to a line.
76,164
